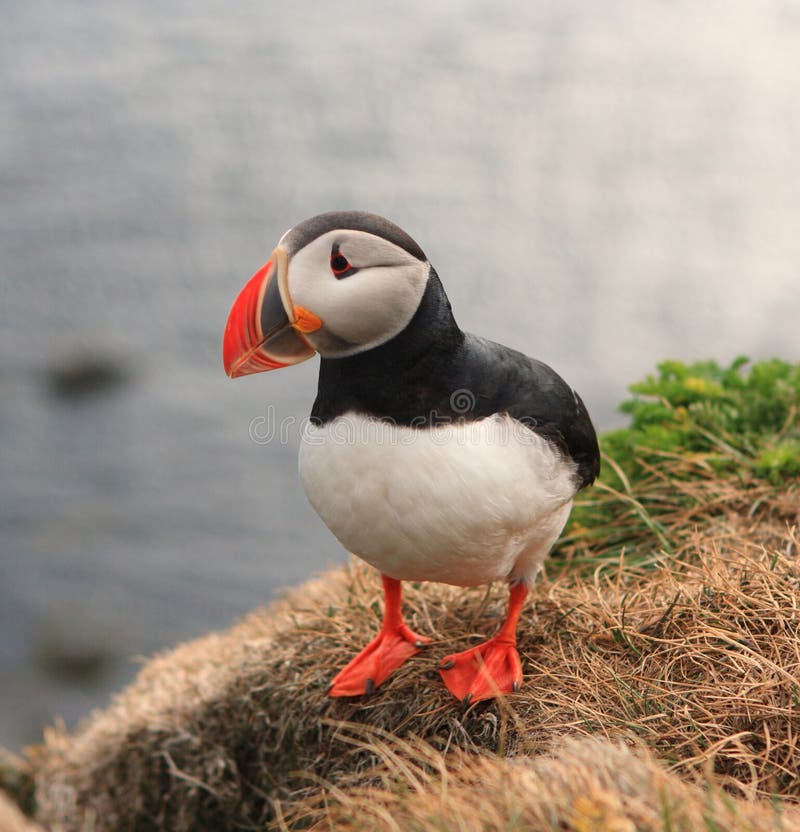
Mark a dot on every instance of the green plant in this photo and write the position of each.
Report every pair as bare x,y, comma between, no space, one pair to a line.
695,431
736,421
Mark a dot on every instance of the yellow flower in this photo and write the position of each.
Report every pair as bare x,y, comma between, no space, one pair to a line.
703,386
601,812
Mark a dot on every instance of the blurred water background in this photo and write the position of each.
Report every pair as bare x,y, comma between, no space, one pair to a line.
602,185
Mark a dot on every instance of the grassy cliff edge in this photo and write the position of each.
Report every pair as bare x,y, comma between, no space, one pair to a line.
660,651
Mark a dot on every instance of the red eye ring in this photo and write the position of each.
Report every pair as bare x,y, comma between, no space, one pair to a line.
340,265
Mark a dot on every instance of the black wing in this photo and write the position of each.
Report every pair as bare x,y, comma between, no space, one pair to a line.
503,380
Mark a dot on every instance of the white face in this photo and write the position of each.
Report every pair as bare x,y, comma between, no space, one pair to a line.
364,309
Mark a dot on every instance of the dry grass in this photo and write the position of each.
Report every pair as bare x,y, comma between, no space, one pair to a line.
16,779
12,819
586,786
692,655
672,498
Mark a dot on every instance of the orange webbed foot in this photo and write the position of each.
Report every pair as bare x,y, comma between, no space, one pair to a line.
384,654
483,672
493,667
381,657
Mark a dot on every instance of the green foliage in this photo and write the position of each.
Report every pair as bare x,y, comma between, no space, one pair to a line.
737,421
701,436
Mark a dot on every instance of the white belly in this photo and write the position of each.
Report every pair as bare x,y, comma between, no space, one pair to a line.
459,504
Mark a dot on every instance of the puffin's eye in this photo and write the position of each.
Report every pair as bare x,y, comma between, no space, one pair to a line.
340,266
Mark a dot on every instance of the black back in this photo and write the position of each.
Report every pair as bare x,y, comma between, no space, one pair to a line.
433,372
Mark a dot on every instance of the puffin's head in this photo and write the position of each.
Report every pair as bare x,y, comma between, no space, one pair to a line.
338,284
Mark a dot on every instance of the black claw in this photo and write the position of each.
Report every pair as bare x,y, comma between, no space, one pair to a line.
447,665
419,643
515,687
369,688
466,700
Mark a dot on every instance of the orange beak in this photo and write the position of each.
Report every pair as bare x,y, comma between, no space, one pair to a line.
264,331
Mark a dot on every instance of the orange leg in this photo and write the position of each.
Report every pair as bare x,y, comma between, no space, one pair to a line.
384,654
492,667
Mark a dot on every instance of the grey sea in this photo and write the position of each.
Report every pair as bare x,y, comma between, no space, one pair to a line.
601,185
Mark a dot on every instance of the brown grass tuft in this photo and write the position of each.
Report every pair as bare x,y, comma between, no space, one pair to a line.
665,507
585,785
12,820
694,656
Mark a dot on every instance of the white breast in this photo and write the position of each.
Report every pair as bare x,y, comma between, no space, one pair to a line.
460,504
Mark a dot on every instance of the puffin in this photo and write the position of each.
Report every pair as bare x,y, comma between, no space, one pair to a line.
430,453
